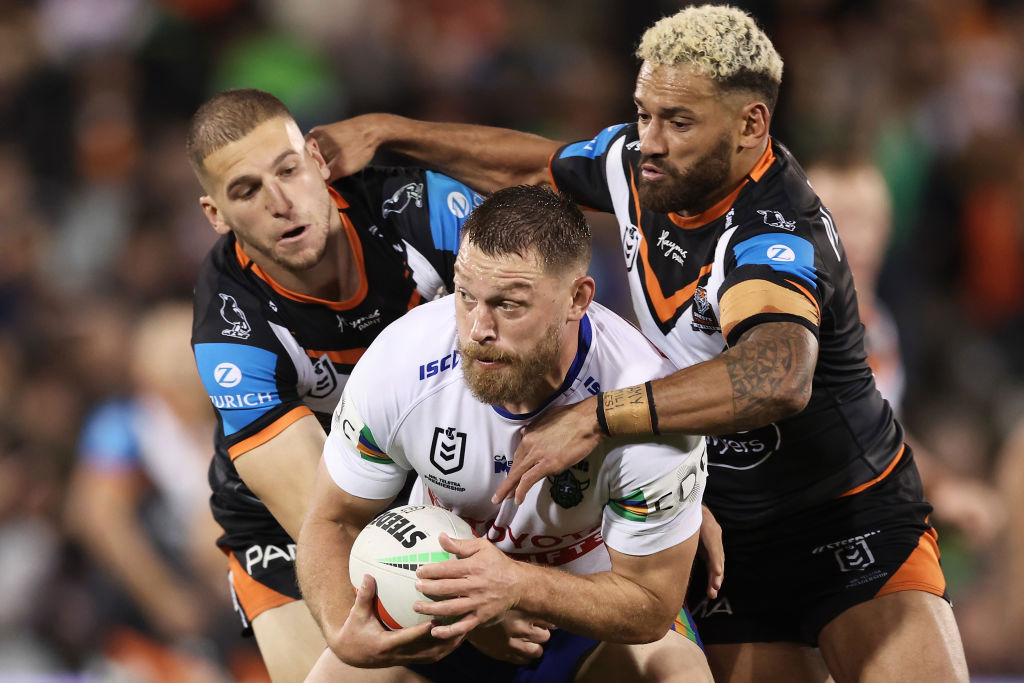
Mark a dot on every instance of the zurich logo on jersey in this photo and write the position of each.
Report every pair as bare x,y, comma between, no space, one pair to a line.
227,375
781,253
459,204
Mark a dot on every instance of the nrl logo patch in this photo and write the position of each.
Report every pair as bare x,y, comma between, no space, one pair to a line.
448,450
630,243
412,192
567,490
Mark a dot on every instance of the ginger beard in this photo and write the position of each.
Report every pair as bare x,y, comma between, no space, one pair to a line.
519,377
689,190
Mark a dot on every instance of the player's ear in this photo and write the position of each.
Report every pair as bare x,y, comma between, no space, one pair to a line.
753,124
583,289
213,215
313,147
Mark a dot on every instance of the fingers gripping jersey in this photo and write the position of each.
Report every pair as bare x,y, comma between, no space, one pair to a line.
397,415
268,356
768,252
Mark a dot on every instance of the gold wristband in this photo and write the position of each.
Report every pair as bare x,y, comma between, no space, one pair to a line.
629,410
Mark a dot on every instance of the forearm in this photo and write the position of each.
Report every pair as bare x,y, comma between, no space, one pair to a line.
763,378
603,606
321,565
485,158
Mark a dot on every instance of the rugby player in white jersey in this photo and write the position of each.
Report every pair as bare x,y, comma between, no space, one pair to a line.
604,548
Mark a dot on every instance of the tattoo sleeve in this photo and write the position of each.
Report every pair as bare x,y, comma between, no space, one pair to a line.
771,368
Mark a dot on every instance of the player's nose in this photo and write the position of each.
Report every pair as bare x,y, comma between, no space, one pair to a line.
278,201
482,328
652,139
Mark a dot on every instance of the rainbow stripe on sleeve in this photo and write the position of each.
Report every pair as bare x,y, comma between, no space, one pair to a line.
632,507
369,450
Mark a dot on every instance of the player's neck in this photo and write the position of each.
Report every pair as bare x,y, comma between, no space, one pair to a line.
336,277
552,380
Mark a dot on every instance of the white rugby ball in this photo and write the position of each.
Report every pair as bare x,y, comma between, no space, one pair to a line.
392,547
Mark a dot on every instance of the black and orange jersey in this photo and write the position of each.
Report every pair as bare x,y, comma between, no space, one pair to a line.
268,356
767,252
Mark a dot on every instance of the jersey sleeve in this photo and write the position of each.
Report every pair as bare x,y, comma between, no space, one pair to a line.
356,452
774,276
108,438
427,210
248,375
579,169
654,494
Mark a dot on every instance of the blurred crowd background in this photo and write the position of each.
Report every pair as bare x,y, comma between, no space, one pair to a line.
906,112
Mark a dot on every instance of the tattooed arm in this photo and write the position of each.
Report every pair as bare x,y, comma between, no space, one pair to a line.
765,377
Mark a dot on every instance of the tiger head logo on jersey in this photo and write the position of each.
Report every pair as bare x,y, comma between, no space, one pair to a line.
233,316
703,315
567,490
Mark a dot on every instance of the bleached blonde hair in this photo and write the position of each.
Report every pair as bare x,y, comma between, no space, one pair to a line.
719,42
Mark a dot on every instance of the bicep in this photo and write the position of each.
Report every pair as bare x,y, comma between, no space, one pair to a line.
281,471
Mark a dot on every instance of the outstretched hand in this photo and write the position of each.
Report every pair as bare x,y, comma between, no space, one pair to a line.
557,440
365,643
347,146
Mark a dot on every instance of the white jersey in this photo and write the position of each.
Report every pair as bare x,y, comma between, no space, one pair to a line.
407,406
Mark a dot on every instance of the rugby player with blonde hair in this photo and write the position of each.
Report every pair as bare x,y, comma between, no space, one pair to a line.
738,275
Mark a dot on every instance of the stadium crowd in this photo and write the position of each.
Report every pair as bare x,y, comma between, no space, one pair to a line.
101,237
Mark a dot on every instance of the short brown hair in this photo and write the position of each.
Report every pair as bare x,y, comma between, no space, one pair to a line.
516,220
226,118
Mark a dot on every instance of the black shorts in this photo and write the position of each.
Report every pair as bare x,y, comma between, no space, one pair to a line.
262,576
785,580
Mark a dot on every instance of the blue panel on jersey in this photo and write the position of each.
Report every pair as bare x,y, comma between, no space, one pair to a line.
450,205
592,149
108,437
785,253
241,381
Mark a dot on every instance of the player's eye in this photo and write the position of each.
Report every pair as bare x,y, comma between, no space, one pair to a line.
247,192
290,170
508,305
681,125
643,117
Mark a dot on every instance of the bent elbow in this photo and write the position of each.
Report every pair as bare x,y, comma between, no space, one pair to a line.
652,630
793,399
